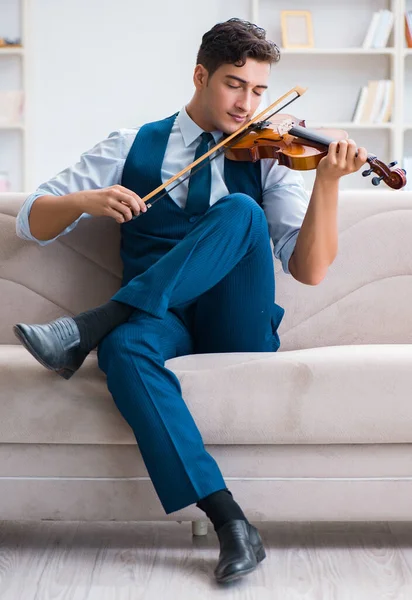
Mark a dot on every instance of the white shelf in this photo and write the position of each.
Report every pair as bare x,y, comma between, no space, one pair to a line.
341,67
13,16
349,125
12,126
11,51
329,51
373,65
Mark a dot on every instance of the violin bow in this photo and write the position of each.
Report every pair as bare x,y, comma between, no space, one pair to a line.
299,91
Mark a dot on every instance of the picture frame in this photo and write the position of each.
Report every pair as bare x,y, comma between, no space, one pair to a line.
297,29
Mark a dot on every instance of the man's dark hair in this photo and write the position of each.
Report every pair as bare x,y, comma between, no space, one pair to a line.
233,42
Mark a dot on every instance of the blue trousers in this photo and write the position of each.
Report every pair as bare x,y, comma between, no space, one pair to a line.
213,292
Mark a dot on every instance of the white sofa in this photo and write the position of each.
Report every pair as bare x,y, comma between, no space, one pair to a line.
321,430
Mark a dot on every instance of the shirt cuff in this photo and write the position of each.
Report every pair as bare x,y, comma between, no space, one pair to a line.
22,220
287,250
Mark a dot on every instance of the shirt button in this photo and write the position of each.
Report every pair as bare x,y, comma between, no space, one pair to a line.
193,219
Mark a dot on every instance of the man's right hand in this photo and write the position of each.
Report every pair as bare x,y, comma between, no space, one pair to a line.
116,201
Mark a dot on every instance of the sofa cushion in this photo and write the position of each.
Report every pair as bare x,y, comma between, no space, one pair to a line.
364,299
350,394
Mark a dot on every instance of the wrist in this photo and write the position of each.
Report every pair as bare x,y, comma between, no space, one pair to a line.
77,201
325,179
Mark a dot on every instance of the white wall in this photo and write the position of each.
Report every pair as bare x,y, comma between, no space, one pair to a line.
96,65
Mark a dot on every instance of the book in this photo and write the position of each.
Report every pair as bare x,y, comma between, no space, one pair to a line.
375,102
408,28
360,104
383,30
367,42
367,112
378,101
385,111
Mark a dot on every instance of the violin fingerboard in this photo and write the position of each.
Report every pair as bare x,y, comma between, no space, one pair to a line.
310,136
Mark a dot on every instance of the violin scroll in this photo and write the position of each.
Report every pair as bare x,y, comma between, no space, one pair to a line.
394,178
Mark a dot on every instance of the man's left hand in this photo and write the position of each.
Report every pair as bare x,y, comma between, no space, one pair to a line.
343,158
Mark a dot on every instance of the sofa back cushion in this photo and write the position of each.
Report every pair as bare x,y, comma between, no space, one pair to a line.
365,297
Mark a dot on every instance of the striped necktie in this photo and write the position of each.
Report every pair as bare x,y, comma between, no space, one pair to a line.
198,195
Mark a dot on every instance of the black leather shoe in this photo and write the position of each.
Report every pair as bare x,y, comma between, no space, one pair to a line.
55,345
241,549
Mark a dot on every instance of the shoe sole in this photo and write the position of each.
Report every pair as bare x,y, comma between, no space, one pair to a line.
65,373
260,555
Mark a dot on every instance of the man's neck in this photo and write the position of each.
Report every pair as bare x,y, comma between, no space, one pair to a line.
196,114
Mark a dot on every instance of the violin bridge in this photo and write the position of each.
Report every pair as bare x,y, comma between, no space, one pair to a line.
285,126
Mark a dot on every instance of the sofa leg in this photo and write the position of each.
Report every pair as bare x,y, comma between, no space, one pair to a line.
199,527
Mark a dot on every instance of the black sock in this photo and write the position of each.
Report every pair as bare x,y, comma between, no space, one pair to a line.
221,508
94,324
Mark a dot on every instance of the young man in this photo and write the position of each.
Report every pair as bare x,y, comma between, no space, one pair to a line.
198,267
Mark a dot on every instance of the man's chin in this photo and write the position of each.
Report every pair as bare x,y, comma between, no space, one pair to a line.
232,127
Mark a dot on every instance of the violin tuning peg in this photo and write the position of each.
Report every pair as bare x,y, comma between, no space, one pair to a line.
377,180
367,172
392,164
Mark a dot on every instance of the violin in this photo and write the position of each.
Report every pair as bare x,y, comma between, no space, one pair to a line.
285,138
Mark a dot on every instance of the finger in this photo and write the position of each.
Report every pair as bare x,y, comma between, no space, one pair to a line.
128,200
332,153
117,216
137,201
142,204
121,207
351,154
133,205
342,154
361,158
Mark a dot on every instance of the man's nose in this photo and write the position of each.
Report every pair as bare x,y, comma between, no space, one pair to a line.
245,103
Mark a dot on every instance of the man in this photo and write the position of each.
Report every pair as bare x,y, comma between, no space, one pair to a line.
198,267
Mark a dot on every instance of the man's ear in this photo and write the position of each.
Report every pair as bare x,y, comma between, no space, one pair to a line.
200,77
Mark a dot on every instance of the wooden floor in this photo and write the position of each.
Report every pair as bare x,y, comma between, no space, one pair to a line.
162,561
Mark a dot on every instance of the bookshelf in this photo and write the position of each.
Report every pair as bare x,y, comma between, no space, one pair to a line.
13,146
407,97
336,69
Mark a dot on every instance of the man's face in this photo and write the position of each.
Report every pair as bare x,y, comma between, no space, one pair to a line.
232,94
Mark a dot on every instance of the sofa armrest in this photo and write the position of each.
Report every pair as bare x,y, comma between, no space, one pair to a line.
76,272
366,296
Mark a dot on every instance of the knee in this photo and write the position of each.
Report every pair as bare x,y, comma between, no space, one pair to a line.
243,214
129,342
116,342
122,345
241,205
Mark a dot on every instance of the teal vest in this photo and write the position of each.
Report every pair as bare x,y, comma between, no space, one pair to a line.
146,239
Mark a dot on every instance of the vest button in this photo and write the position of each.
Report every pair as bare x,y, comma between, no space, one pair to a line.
193,219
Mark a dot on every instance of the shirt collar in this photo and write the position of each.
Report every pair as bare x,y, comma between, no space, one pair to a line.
190,130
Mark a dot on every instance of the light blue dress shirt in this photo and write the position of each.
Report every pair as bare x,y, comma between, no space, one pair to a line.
285,200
